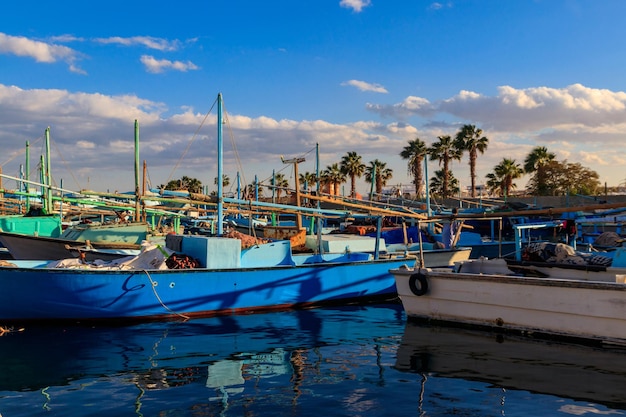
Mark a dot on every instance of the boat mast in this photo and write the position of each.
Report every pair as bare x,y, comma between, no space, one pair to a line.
27,176
143,188
47,175
295,162
427,186
220,192
137,192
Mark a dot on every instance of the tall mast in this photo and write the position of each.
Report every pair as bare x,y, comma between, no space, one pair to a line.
48,175
220,192
27,176
295,162
137,192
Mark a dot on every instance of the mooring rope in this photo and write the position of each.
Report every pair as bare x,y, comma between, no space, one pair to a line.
153,284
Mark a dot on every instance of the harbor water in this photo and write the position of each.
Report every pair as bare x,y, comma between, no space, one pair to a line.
348,361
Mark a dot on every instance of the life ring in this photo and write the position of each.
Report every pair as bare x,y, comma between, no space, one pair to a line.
418,284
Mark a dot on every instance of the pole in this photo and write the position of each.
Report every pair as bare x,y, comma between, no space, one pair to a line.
143,189
137,192
373,181
317,171
220,191
298,216
48,175
428,208
27,174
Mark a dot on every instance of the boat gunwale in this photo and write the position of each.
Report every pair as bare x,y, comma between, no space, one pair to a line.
513,279
39,269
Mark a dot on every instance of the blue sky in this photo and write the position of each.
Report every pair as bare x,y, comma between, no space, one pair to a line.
351,75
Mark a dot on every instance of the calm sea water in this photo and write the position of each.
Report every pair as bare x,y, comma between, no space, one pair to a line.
356,361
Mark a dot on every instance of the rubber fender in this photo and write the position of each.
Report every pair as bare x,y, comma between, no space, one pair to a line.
418,284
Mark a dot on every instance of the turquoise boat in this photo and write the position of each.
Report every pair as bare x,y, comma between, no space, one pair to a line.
48,226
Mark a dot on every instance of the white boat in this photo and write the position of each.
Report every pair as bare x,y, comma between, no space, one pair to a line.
486,293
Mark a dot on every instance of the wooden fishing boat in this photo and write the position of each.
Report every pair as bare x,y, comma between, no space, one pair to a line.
215,276
486,293
226,280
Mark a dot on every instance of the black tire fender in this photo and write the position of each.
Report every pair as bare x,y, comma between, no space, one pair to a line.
418,284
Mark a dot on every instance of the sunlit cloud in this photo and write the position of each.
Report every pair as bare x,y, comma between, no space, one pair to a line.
145,41
355,5
438,6
527,109
43,52
365,86
95,131
155,66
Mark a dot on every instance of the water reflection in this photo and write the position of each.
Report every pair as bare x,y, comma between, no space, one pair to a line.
565,370
363,361
226,355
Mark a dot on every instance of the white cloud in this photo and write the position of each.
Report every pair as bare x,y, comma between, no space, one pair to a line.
529,109
410,106
365,86
94,133
40,51
66,38
154,65
146,41
438,6
356,5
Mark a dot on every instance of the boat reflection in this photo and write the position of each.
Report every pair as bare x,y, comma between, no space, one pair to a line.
513,362
360,360
222,352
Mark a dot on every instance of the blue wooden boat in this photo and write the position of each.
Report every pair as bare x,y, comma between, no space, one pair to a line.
224,279
228,280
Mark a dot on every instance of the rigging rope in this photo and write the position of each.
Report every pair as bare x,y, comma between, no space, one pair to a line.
19,153
189,144
66,165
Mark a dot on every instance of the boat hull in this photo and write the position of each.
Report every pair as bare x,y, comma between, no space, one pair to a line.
37,247
33,293
540,306
49,226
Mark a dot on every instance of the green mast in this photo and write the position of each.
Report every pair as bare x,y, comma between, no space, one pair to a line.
48,175
137,192
27,176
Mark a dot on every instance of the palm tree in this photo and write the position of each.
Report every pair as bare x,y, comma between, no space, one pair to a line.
352,166
378,174
444,151
503,175
494,184
334,177
280,183
415,152
437,182
308,178
470,139
535,162
193,185
251,189
225,180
